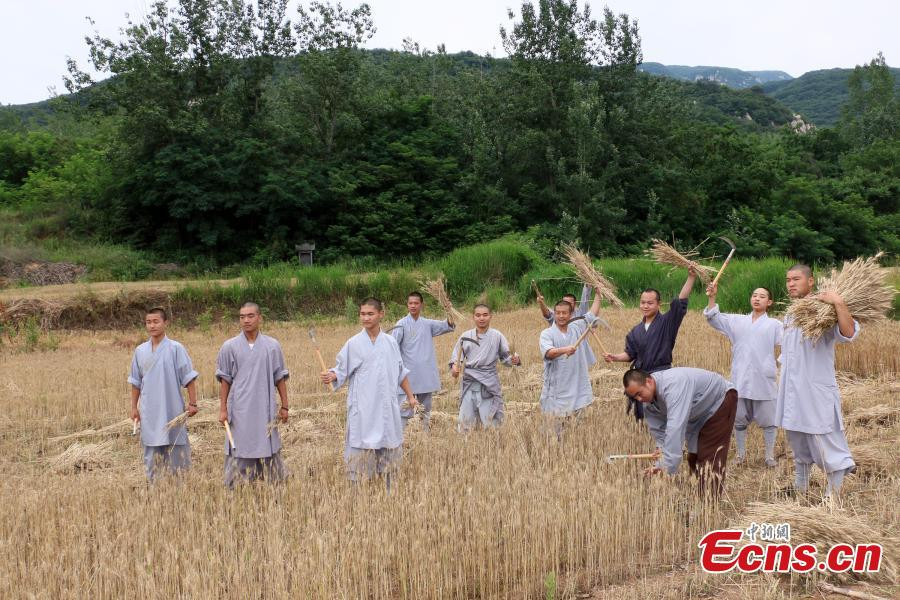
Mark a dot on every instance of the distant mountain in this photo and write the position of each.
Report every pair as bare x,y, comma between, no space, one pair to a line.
733,78
817,95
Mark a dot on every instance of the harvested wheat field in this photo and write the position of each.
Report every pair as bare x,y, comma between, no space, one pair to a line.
508,514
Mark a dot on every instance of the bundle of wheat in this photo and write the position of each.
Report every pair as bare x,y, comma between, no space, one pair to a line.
118,428
586,272
435,288
177,421
862,285
82,457
825,527
668,255
878,415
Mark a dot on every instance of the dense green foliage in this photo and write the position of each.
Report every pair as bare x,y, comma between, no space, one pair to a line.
499,272
817,95
229,132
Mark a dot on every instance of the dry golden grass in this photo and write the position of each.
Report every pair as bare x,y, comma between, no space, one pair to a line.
508,514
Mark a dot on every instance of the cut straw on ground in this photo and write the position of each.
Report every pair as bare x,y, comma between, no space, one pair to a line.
825,527
862,285
587,273
665,254
436,289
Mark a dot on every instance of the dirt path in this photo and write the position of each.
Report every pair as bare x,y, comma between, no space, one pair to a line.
105,289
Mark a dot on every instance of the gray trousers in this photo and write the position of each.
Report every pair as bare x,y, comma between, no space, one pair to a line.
162,460
268,468
363,463
424,401
476,410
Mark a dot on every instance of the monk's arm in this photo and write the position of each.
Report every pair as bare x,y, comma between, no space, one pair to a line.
281,386
135,394
224,388
688,284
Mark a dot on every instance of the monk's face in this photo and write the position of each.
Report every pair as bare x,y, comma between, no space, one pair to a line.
649,304
414,306
759,300
562,312
250,320
155,324
799,284
482,316
370,317
642,392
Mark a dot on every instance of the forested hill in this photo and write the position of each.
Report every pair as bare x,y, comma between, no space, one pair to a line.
220,138
714,102
733,78
818,95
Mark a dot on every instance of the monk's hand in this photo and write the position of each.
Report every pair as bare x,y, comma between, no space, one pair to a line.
657,453
712,289
223,415
191,410
283,414
516,360
651,471
327,377
609,357
454,370
692,271
540,299
570,350
411,401
135,415
829,297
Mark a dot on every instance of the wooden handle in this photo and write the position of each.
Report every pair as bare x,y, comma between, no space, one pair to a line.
722,268
537,290
230,437
630,456
597,337
134,427
324,368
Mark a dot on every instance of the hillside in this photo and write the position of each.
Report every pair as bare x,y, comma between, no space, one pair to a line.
818,95
733,78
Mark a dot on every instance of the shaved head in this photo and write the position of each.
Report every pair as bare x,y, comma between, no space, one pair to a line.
807,272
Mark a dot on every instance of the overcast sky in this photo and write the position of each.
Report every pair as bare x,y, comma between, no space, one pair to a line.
796,37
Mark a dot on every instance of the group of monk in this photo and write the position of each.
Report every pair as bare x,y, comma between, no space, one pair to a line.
391,376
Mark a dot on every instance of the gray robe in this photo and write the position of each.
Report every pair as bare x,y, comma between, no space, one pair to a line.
417,350
481,360
752,351
685,400
252,373
566,387
160,375
373,372
583,305
808,398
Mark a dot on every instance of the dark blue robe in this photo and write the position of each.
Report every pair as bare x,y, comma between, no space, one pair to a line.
651,349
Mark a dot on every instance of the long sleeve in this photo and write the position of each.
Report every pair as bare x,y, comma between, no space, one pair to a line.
440,327
840,338
342,366
135,378
719,321
678,403
225,365
546,343
677,311
184,367
504,355
585,303
279,370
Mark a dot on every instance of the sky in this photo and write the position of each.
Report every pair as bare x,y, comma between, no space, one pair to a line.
36,36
